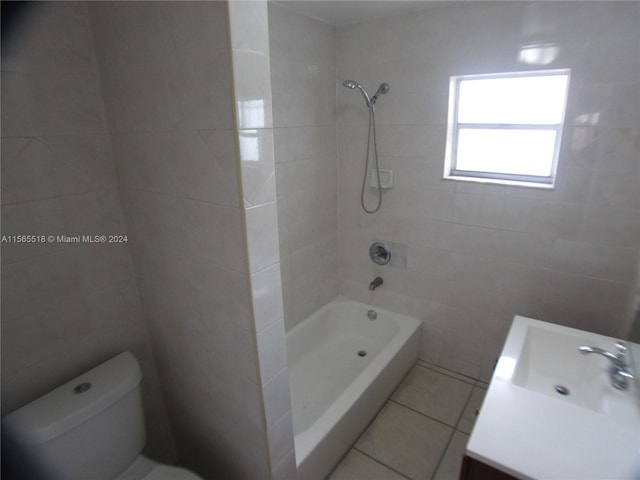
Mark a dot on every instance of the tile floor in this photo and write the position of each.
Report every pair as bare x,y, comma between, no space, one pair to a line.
421,432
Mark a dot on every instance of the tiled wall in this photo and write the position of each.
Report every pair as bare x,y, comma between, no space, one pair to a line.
66,307
478,254
249,37
303,82
166,73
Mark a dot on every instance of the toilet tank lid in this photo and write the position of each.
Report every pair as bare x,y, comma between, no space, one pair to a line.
74,402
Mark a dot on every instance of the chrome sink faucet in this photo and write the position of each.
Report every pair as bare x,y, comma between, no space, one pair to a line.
619,371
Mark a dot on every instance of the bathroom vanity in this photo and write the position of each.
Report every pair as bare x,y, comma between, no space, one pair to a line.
552,410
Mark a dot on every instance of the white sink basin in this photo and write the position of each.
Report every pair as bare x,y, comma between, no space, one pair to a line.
550,363
551,412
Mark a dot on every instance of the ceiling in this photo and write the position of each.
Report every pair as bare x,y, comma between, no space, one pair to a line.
347,12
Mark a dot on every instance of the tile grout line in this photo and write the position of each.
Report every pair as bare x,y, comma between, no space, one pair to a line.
421,414
444,454
380,462
454,429
453,433
466,404
448,373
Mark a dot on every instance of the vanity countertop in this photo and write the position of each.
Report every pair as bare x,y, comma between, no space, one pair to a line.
529,430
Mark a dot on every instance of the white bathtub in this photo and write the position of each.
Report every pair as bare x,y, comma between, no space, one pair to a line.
335,392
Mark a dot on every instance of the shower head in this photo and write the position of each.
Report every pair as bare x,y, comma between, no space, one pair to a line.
353,84
382,89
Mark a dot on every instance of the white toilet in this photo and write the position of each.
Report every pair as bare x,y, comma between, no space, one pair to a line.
91,428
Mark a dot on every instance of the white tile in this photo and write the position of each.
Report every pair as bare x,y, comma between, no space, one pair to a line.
252,87
272,351
356,465
249,26
258,169
406,441
433,394
201,172
204,222
480,210
277,401
266,288
612,226
601,261
451,464
262,236
280,439
286,469
201,99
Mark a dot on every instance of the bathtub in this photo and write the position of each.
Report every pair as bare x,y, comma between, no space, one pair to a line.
342,368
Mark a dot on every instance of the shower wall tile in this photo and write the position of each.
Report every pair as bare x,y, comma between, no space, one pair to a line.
258,169
286,469
303,80
480,254
57,104
277,399
204,222
267,296
252,93
59,179
262,236
251,70
252,78
195,97
281,439
249,27
185,195
272,350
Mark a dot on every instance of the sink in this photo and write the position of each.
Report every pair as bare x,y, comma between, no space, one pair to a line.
551,412
550,363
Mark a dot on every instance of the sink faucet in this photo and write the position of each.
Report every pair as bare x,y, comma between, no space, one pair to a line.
376,283
619,371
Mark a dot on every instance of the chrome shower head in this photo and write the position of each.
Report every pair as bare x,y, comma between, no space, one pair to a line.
353,84
382,89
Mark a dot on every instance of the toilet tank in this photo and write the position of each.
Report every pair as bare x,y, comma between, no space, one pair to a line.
89,428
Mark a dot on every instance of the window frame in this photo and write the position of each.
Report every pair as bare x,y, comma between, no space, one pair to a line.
453,127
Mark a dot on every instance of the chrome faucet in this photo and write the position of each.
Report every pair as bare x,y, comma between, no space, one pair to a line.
619,371
376,283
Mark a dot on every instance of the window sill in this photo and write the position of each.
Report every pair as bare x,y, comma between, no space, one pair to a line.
499,181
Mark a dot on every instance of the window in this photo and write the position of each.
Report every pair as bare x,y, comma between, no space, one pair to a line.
506,128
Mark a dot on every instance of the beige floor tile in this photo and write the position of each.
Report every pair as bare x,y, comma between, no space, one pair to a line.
468,419
450,373
406,441
433,394
449,468
356,466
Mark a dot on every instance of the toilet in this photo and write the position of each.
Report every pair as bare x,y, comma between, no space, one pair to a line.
89,428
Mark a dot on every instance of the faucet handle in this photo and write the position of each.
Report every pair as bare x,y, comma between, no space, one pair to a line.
622,349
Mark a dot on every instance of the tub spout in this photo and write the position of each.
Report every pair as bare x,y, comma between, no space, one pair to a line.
376,283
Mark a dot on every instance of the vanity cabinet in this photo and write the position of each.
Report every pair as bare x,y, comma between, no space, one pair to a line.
473,469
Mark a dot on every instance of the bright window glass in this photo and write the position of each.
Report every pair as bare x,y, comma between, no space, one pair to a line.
492,150
506,128
520,100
